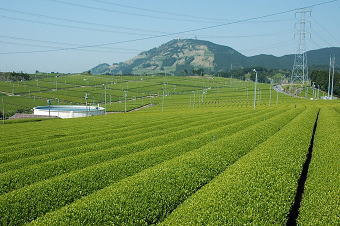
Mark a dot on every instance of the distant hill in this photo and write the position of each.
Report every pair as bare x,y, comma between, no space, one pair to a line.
181,56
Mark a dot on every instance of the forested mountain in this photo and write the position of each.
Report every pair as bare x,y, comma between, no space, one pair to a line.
182,56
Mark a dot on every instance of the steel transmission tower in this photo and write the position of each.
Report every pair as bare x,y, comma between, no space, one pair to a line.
300,69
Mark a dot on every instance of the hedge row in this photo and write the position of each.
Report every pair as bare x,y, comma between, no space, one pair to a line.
149,196
22,177
100,141
258,189
321,203
45,196
87,131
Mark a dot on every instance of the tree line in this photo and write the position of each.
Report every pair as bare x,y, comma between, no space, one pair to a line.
14,76
320,78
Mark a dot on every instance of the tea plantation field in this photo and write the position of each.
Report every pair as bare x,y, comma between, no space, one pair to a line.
216,165
125,93
199,155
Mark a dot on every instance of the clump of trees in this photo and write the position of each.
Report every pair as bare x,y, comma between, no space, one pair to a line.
14,76
320,77
264,75
199,71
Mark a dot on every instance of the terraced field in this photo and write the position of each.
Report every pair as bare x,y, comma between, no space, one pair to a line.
122,93
191,166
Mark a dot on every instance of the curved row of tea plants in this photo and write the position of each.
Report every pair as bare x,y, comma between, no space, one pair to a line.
51,194
134,201
27,175
259,188
320,202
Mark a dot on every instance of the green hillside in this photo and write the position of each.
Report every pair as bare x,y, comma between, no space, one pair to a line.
181,56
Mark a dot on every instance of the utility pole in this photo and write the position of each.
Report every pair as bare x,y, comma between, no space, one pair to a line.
332,85
300,69
104,97
125,95
277,97
163,99
56,82
49,107
86,97
329,77
270,93
255,89
3,111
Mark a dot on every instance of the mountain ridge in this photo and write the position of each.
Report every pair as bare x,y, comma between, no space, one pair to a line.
181,56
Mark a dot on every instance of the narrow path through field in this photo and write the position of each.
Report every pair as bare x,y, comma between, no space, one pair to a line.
134,109
294,210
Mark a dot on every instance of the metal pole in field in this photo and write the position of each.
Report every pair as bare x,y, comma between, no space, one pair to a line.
104,97
329,77
49,107
277,97
270,93
125,95
163,101
247,96
255,88
86,97
332,85
3,111
56,83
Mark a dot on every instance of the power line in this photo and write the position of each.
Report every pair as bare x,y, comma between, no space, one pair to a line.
157,11
324,29
126,13
239,36
99,24
174,33
56,47
78,21
106,48
275,45
72,26
322,38
62,43
316,43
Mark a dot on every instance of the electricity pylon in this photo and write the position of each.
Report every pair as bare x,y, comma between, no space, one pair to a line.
300,69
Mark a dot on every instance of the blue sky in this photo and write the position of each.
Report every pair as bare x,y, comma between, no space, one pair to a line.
34,25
